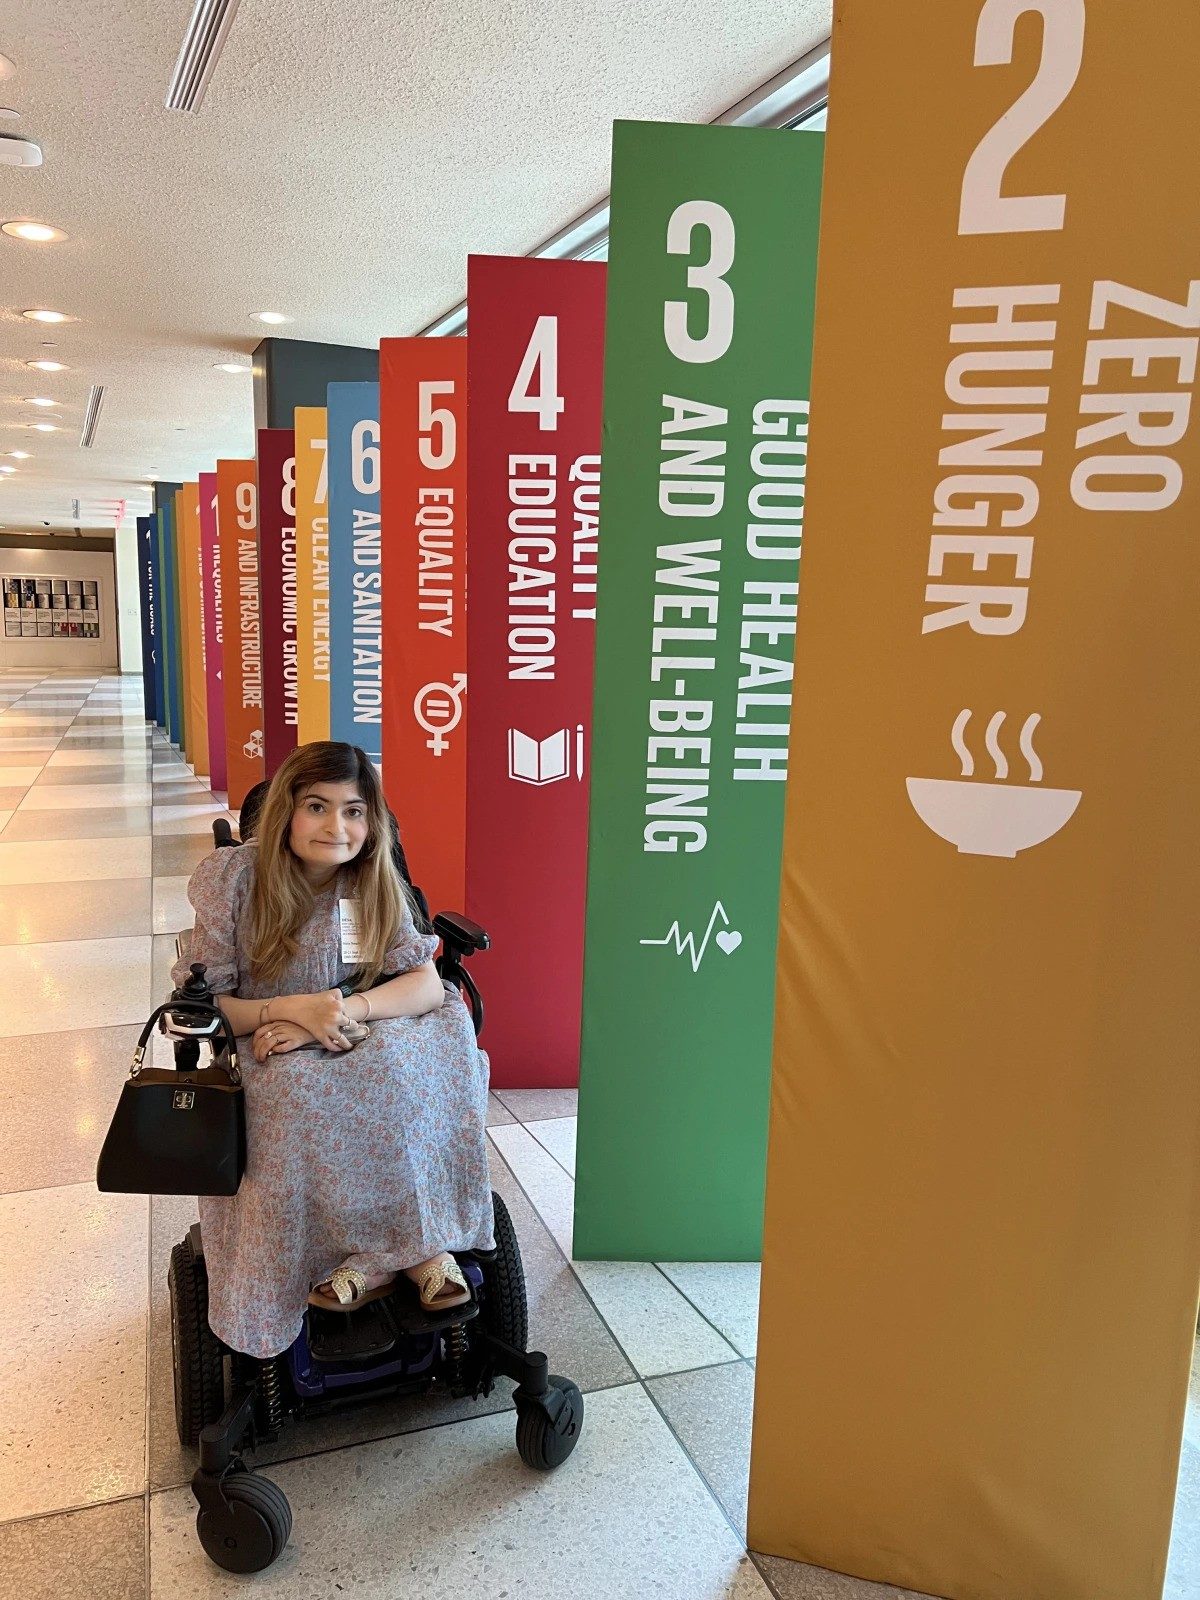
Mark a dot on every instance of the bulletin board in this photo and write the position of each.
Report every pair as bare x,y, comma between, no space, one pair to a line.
51,608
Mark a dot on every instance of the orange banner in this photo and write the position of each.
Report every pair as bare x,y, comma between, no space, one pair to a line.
423,400
312,572
982,1243
237,519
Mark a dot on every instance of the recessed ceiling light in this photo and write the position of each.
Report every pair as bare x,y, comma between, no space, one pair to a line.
47,366
38,400
7,114
44,427
19,455
33,232
273,317
7,67
47,316
231,366
8,469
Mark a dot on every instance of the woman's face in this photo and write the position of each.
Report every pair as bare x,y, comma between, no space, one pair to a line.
329,828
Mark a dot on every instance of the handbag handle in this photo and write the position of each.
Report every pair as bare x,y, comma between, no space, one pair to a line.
196,1008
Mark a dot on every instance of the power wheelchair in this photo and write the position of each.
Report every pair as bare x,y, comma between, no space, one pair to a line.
227,1403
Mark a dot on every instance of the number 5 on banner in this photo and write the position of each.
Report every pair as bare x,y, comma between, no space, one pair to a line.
429,417
983,208
541,356
709,277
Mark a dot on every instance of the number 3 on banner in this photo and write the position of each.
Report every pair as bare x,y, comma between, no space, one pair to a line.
709,277
541,356
430,417
983,208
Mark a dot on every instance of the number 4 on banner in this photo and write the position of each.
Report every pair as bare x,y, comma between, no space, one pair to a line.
541,356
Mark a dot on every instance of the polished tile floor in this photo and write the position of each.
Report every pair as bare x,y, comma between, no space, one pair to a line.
100,825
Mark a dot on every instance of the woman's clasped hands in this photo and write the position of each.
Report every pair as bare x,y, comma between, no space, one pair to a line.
313,1019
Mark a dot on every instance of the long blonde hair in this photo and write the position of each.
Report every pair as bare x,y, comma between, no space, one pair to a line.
281,901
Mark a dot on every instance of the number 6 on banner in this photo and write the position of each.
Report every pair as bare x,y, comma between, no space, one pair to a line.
541,355
364,457
983,208
709,277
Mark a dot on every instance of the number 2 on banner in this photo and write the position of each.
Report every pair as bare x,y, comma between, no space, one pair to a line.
430,417
983,209
709,277
541,357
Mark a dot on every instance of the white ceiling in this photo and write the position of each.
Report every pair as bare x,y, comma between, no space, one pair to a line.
344,161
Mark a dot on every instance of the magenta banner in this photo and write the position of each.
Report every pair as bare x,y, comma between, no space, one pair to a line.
210,605
277,591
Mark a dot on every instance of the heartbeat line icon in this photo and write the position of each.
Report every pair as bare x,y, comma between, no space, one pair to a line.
685,943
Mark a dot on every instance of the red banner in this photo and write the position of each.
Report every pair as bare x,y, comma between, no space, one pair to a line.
210,601
535,377
423,406
277,577
237,530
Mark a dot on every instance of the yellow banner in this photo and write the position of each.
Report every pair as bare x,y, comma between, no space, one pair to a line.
312,572
983,1212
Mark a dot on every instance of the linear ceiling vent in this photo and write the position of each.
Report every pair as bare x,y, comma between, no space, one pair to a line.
202,44
91,416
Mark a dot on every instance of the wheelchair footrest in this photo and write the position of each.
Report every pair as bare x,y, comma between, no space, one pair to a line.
411,1316
351,1335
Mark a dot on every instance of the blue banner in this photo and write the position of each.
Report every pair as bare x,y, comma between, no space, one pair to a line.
355,568
148,591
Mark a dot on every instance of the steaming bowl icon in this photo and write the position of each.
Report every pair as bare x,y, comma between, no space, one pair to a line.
991,819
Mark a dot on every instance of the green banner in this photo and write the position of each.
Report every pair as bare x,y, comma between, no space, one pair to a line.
708,352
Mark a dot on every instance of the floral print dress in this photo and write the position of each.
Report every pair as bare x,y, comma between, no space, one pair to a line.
375,1157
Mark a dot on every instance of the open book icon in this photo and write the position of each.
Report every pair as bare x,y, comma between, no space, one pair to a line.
544,760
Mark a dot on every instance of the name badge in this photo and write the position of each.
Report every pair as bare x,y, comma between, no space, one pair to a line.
348,917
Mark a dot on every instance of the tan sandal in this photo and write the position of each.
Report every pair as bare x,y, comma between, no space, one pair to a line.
349,1286
442,1285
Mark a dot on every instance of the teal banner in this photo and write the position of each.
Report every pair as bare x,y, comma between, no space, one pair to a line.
708,354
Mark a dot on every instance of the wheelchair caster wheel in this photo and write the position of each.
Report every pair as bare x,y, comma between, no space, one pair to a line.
249,1527
548,1429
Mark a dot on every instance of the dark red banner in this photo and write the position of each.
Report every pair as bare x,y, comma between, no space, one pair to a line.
277,590
423,438
535,376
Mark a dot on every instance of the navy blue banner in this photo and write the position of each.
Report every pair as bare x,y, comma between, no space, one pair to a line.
148,592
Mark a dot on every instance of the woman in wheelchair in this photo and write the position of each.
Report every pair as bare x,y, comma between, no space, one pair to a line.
366,1094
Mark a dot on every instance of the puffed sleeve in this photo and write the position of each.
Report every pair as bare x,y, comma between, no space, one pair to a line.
409,949
218,889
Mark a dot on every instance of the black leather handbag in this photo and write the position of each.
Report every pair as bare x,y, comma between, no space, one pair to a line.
181,1129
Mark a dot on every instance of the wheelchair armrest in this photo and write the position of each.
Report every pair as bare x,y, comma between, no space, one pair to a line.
460,932
183,944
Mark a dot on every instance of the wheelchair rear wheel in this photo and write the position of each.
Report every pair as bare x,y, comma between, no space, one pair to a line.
504,1310
195,1353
